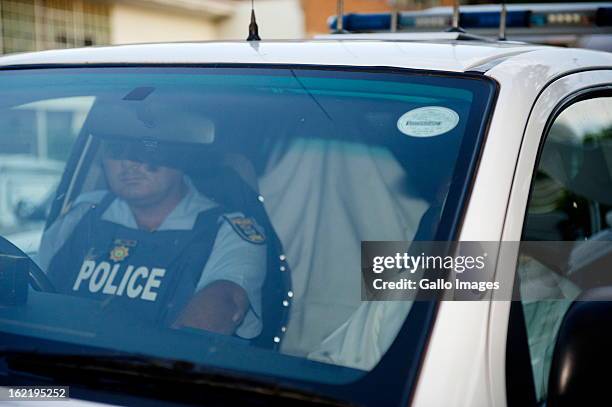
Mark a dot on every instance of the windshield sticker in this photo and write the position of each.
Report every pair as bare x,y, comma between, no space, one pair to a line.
428,121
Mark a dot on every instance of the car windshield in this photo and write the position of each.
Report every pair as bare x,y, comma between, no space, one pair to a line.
215,214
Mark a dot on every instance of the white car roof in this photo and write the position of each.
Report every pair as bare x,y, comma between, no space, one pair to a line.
438,53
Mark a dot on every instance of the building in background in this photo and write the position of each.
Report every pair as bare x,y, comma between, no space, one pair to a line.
30,25
34,25
135,21
316,12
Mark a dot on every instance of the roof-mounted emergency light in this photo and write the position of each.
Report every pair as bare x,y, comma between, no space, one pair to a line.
571,15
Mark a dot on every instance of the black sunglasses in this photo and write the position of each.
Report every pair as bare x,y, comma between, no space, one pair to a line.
143,150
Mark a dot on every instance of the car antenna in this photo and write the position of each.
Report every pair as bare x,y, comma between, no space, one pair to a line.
339,16
253,29
455,21
502,22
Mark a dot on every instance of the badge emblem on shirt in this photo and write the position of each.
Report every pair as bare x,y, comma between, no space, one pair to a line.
119,253
247,229
121,250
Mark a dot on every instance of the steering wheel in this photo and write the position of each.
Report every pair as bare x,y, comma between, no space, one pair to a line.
36,277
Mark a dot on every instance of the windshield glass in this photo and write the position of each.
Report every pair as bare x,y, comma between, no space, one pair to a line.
215,215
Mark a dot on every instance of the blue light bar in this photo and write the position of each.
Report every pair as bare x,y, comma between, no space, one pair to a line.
484,17
603,17
429,21
363,22
490,19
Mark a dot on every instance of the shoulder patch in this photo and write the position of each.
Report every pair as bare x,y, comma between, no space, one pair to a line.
247,228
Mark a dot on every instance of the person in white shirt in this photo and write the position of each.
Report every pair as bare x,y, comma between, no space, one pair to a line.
159,248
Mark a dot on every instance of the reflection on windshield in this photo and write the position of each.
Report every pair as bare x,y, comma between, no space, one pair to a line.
35,141
216,215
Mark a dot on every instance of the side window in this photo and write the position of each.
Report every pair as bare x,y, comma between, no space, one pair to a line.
570,200
36,139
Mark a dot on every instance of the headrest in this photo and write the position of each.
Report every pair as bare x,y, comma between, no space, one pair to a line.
582,166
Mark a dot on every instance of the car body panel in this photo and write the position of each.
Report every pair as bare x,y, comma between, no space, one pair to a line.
544,107
478,376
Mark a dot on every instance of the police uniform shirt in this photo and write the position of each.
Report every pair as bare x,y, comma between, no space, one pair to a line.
232,258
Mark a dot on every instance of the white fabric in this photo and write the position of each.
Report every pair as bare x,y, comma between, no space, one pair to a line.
231,258
324,197
363,340
543,317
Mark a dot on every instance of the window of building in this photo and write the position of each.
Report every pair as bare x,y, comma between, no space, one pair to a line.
34,25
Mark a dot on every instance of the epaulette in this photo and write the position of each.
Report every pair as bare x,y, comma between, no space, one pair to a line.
247,228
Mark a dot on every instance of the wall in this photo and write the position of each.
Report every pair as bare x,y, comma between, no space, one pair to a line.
317,12
132,24
277,19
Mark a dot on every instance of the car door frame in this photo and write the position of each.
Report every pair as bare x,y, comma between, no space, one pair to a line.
559,94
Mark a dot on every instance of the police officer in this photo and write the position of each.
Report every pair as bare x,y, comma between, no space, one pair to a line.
154,246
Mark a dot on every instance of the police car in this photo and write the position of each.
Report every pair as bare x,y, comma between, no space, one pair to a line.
274,161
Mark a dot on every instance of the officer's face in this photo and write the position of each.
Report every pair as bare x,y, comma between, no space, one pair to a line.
141,184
